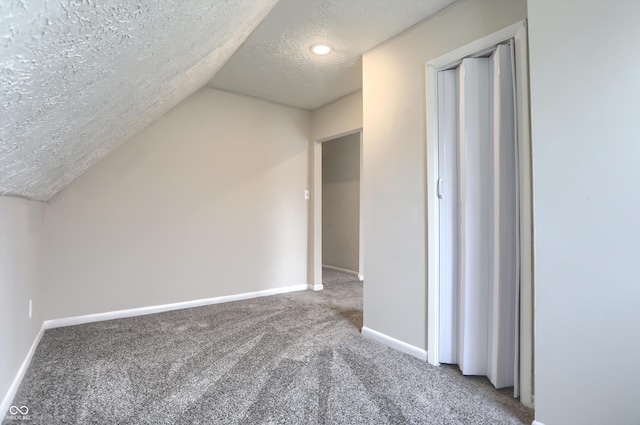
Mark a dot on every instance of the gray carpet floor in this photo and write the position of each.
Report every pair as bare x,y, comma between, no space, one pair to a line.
297,358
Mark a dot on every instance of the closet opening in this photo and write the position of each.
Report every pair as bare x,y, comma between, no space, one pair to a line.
479,212
477,192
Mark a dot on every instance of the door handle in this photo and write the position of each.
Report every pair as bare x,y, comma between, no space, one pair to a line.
439,188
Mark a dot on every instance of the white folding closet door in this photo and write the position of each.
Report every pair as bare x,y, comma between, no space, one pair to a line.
448,213
502,303
479,245
476,216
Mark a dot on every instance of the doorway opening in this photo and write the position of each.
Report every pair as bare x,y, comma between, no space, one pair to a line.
341,205
479,217
338,241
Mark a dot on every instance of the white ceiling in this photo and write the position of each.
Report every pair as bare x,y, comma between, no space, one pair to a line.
80,77
276,64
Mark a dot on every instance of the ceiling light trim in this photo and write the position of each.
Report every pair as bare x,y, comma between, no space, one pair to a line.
321,49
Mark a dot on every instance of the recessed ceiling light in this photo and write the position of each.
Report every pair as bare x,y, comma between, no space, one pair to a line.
321,48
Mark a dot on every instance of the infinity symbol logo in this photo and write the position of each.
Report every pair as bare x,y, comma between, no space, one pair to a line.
14,410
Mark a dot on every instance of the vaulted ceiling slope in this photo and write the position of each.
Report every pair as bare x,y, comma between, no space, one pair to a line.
79,77
276,63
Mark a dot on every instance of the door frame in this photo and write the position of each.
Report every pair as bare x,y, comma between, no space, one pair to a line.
316,284
518,33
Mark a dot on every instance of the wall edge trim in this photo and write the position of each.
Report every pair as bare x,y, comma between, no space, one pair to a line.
141,311
17,380
396,344
339,269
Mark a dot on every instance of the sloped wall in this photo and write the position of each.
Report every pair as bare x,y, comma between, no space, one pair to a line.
207,201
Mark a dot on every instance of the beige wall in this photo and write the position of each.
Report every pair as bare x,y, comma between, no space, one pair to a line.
585,88
341,202
207,201
21,236
339,117
395,294
335,119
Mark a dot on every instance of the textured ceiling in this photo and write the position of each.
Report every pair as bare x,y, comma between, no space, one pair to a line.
79,77
275,62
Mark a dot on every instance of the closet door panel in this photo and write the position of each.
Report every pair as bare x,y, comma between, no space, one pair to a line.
448,199
503,324
476,215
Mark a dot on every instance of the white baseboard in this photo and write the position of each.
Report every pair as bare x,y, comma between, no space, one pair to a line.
17,380
360,277
396,344
313,287
120,314
536,423
338,269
